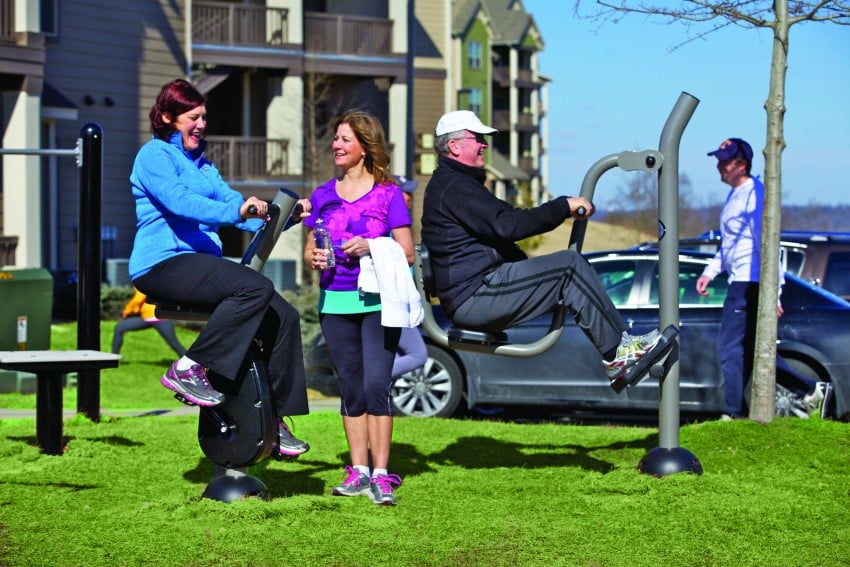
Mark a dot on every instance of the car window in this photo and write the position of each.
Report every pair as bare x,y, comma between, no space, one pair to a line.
793,259
618,278
689,273
837,276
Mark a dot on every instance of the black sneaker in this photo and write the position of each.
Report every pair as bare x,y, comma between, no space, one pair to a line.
288,445
191,386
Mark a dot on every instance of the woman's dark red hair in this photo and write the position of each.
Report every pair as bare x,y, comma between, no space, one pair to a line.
174,99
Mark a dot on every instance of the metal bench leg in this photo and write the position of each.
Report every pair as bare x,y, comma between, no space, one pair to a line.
48,413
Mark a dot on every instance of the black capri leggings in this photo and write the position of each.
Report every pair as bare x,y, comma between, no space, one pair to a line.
362,352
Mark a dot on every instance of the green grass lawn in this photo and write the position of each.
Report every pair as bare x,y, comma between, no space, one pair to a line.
128,490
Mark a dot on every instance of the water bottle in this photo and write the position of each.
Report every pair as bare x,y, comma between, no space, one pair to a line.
323,241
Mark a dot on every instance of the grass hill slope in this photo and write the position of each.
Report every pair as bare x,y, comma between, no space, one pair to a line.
599,236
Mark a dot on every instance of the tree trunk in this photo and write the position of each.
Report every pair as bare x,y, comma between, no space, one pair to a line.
763,401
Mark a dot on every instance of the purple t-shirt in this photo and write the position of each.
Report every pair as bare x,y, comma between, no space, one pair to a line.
373,215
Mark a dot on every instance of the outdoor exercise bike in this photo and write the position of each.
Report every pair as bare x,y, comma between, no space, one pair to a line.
243,429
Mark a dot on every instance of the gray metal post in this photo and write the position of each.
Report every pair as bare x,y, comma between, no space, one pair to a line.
88,265
669,457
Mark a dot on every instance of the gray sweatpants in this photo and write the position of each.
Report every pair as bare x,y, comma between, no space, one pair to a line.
519,291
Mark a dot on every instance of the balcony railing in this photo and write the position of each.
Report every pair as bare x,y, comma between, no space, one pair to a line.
7,21
351,35
248,157
501,75
226,23
528,165
525,121
524,77
502,120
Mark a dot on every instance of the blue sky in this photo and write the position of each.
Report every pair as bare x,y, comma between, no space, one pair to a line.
615,84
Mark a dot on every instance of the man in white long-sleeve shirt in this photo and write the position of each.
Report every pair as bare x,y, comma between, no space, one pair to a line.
739,256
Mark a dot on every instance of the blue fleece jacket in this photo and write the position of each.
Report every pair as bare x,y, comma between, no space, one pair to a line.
181,200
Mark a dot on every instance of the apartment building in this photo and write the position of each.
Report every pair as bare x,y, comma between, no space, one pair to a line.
275,72
272,71
22,57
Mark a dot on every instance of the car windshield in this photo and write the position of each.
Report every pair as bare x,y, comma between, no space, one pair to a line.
689,273
618,279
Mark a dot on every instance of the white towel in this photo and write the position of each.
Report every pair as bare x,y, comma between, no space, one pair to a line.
385,271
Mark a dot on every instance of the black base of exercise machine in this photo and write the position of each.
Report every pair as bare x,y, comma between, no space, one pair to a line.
664,462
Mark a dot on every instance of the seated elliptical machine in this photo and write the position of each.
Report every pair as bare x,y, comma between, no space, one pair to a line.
242,430
662,361
497,342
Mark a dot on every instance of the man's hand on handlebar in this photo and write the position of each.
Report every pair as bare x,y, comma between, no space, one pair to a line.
580,208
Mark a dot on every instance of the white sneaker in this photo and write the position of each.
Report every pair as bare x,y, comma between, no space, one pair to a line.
631,349
814,401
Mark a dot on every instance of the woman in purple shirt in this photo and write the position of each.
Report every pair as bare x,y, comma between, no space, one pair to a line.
363,203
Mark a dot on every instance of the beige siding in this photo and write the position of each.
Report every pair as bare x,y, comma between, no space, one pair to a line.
428,104
433,17
125,51
428,107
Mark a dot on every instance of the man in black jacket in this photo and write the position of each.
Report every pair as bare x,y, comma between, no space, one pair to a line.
483,279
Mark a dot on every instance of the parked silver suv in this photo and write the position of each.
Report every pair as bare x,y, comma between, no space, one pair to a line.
822,258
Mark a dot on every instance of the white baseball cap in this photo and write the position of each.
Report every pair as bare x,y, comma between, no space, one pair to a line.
459,120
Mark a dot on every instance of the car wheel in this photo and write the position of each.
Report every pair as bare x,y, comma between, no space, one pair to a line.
434,390
789,404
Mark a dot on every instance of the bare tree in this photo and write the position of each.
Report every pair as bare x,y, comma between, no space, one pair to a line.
318,93
778,16
636,205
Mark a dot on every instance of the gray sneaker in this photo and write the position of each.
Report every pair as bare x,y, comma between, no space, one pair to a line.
631,349
381,489
192,387
287,444
355,483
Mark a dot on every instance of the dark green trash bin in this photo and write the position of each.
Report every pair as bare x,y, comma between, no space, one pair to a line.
26,297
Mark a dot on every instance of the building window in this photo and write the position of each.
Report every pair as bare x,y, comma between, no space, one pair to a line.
473,50
475,100
50,18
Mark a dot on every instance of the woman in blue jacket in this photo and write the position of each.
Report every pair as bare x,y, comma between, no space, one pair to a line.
181,200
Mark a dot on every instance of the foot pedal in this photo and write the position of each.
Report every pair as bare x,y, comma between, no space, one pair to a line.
635,374
182,400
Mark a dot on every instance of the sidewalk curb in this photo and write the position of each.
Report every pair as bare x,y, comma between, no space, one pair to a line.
327,404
